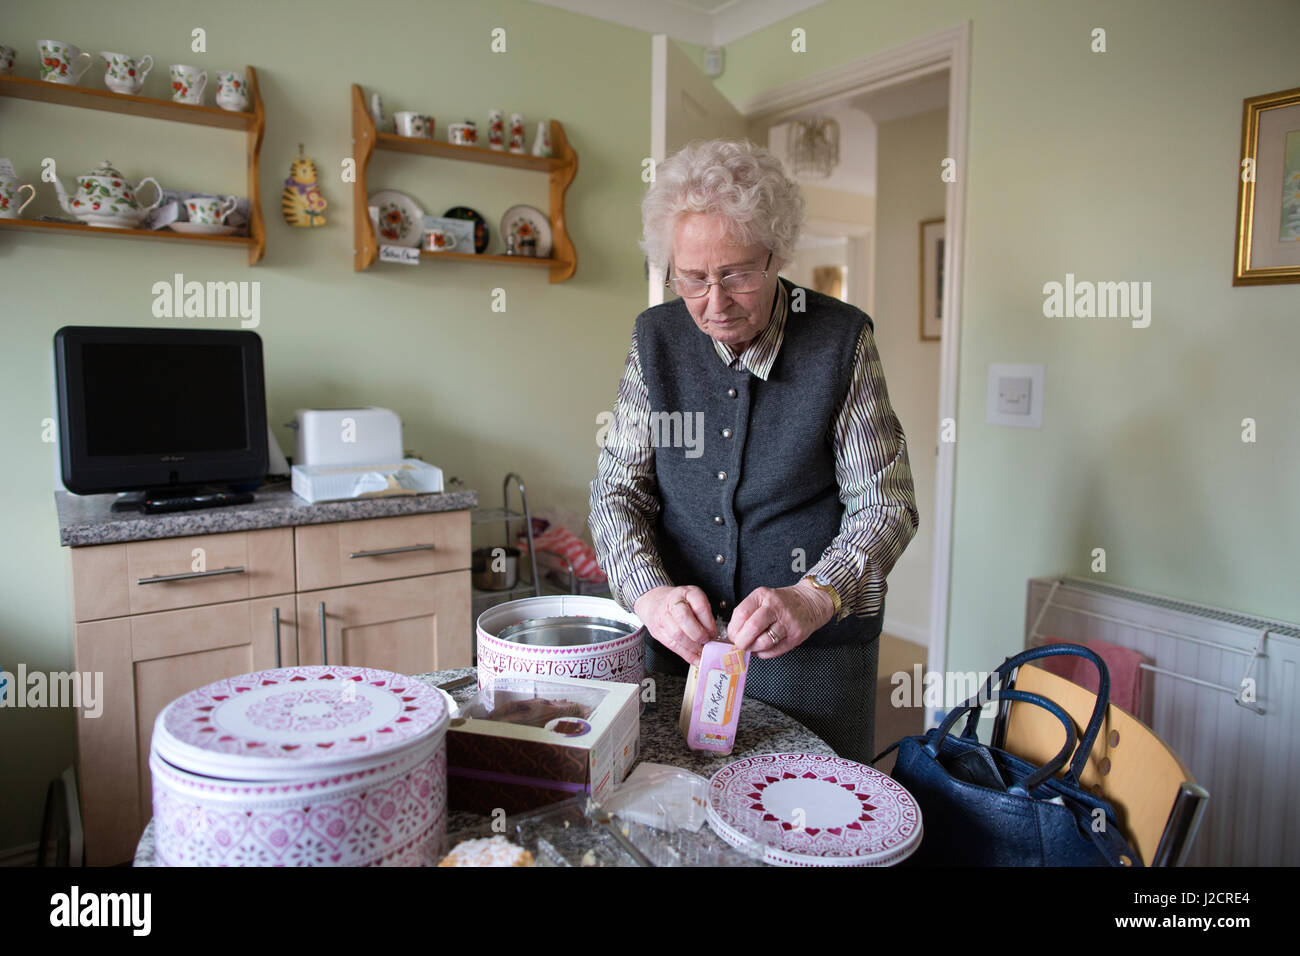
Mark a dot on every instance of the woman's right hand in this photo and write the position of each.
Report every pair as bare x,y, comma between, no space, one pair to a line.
679,618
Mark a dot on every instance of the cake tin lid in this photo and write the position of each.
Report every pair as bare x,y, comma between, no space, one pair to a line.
798,809
275,724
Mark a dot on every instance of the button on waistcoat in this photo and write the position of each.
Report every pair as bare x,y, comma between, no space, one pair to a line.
746,467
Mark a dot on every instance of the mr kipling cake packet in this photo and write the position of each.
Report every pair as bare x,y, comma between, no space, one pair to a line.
715,688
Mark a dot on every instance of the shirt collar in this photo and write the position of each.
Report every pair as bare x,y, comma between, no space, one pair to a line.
760,356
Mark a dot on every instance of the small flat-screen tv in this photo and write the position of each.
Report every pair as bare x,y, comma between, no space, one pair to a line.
159,408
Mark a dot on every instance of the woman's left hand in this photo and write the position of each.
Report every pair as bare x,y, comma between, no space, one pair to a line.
790,615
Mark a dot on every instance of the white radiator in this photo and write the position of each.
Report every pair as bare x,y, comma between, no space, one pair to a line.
1245,753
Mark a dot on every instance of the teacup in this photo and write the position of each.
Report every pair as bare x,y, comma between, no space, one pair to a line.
123,74
8,56
10,191
463,134
210,210
58,61
232,91
439,240
188,83
417,125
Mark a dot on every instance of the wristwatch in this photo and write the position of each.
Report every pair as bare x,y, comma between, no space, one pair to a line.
823,583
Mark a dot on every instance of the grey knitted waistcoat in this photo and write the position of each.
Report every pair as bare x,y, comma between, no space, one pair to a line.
749,498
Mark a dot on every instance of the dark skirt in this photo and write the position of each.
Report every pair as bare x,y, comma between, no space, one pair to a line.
831,690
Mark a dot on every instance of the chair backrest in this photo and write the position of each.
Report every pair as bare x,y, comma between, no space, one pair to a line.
1155,798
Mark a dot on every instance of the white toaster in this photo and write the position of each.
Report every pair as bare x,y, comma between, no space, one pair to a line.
346,436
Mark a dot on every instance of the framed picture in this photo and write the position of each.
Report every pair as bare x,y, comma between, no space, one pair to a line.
1268,191
931,291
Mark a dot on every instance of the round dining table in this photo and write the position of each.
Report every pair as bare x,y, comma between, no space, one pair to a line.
762,730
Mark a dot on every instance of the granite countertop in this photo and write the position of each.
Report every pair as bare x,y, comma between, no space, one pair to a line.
763,730
89,519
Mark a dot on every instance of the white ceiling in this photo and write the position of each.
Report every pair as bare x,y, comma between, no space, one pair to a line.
905,99
856,172
703,22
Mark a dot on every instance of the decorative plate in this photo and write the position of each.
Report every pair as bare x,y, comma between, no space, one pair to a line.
480,225
813,810
524,222
202,228
264,725
401,220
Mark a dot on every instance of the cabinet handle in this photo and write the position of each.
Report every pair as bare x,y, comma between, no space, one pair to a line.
324,654
188,575
275,623
382,551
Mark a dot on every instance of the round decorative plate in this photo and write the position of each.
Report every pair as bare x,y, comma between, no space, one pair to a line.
480,225
813,810
526,221
202,228
256,726
401,220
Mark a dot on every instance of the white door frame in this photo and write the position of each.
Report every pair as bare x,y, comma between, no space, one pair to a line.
946,50
861,257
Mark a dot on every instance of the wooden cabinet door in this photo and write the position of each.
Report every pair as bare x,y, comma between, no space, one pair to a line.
409,626
148,661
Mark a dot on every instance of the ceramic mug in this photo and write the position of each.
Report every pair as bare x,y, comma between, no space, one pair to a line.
210,210
122,74
8,55
10,191
463,134
58,61
188,83
410,123
232,91
439,240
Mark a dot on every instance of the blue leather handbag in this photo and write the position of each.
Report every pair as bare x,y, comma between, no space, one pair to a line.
981,806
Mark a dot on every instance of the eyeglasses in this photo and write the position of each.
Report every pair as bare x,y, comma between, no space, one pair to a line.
738,283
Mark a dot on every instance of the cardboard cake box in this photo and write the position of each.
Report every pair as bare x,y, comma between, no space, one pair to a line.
501,754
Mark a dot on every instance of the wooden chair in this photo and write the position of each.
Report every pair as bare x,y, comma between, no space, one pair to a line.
1157,802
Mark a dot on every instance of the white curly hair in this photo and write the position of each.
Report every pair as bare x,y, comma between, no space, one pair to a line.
737,180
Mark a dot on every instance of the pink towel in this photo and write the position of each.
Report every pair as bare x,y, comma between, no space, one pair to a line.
557,538
1123,663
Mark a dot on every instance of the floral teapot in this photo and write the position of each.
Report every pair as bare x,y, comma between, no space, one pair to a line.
103,198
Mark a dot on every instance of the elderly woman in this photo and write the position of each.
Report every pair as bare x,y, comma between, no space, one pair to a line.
754,471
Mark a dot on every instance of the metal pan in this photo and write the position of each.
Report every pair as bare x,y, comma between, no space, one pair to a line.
566,631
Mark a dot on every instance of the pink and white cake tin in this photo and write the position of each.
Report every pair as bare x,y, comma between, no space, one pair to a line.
813,810
302,766
620,659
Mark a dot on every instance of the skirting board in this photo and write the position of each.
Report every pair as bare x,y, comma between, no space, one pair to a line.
917,635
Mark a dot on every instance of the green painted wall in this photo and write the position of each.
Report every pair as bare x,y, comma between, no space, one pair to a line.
1114,166
481,393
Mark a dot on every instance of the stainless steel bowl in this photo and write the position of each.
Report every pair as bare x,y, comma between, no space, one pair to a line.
566,631
484,577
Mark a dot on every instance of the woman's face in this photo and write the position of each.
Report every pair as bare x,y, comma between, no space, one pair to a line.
701,249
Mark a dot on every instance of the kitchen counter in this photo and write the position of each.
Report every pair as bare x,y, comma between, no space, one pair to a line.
89,519
763,730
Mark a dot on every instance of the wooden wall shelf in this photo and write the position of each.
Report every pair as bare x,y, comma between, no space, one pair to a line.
252,123
562,168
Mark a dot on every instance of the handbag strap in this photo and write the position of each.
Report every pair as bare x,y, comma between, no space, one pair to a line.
1011,664
1045,772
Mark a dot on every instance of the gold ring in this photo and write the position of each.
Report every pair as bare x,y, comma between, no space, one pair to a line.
682,601
772,637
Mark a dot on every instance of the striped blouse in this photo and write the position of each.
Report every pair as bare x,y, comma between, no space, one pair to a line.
871,467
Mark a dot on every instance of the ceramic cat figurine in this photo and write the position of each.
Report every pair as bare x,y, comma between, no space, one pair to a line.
301,200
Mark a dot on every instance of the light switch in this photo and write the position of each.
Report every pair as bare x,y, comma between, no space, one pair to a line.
1013,395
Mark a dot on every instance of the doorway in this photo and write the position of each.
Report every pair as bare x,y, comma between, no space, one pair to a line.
685,104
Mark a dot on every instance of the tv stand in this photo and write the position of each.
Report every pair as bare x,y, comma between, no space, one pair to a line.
154,501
